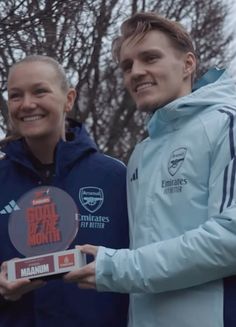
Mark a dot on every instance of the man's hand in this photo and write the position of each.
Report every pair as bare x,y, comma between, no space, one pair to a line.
85,277
13,291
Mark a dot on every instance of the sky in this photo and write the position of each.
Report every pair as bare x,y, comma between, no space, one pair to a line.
231,28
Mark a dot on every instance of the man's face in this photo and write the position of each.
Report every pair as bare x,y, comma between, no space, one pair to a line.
155,73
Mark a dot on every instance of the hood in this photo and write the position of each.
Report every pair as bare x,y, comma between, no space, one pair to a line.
211,92
78,145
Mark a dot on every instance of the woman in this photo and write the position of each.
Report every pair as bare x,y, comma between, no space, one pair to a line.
39,98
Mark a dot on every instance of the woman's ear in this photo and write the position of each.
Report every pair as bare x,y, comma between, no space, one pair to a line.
70,99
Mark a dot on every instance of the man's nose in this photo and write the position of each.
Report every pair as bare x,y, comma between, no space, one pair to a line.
138,69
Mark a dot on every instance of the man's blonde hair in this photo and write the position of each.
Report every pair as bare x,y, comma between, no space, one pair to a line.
143,22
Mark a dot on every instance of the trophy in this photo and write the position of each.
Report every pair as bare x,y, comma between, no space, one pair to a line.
43,224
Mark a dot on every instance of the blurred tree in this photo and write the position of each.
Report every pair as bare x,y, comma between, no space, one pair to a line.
78,33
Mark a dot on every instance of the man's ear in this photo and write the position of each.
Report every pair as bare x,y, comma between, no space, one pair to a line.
70,99
190,64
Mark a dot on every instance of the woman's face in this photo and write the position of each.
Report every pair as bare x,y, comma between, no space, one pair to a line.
36,102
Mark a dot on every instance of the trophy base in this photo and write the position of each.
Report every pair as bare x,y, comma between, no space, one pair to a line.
45,266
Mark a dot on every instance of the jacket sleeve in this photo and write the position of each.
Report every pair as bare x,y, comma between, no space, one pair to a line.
198,256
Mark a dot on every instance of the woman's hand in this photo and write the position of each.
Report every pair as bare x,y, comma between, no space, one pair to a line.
13,291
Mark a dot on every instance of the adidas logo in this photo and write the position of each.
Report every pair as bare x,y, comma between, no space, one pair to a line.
135,175
12,206
2,155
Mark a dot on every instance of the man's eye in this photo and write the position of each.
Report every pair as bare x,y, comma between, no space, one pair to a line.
126,67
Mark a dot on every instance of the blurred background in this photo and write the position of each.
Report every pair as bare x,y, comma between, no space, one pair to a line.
78,33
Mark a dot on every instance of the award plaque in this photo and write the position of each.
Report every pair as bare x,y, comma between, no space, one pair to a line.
42,226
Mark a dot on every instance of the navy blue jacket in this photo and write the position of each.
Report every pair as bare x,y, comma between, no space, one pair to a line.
79,165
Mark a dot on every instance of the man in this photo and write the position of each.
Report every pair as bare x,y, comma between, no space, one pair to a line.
181,187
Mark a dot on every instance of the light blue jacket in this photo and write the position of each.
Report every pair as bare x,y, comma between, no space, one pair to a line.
182,211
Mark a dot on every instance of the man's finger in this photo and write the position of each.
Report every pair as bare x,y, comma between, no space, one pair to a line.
83,272
88,249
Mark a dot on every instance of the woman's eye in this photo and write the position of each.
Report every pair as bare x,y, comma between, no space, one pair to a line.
40,91
151,58
13,96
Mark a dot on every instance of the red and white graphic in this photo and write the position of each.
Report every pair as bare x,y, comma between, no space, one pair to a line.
67,260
